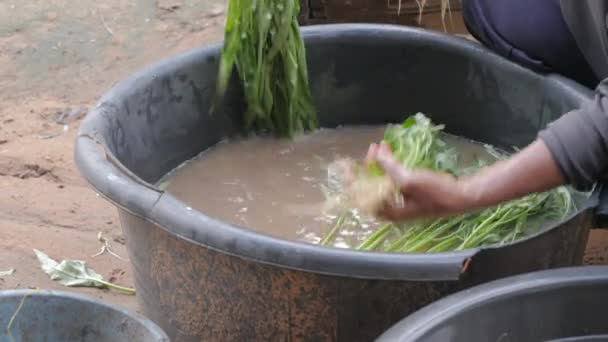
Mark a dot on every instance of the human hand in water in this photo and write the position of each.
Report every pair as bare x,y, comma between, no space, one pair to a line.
425,193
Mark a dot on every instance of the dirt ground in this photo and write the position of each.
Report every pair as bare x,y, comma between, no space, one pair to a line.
56,58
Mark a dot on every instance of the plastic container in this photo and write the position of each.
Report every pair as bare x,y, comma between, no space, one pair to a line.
60,316
567,305
230,283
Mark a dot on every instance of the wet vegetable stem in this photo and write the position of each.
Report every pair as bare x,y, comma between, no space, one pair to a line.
416,143
262,39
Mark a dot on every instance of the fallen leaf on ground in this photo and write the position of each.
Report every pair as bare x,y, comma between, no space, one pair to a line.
75,273
7,273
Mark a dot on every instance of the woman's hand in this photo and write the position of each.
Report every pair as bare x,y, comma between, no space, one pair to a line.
429,194
425,193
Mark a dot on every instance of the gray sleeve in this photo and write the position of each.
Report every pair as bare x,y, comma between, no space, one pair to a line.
578,141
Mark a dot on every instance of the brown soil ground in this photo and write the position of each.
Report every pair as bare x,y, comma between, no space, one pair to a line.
56,58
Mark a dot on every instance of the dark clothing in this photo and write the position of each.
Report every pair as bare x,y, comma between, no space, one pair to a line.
579,141
587,22
531,32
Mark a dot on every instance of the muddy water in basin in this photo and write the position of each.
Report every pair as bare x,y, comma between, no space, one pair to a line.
276,186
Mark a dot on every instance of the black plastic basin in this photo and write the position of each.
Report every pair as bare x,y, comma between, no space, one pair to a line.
202,279
49,316
565,305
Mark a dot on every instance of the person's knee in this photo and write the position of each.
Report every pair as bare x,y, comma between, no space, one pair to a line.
466,3
467,8
471,18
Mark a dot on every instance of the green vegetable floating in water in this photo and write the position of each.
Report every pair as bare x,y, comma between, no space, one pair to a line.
262,39
417,143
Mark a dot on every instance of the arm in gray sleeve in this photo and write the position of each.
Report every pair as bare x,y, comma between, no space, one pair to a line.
578,141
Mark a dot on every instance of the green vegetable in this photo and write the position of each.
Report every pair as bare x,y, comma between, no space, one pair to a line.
262,39
333,232
75,273
417,143
374,240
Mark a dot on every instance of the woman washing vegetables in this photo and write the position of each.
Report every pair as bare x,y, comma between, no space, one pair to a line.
569,37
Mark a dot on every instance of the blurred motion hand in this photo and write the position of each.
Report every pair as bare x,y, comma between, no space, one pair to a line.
428,193
425,193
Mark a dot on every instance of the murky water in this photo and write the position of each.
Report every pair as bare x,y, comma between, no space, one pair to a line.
275,186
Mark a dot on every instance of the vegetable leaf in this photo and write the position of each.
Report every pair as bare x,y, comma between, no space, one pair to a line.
410,121
75,273
7,273
72,273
